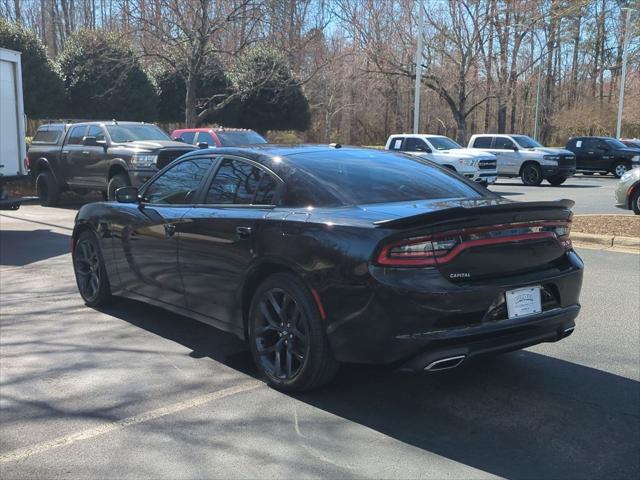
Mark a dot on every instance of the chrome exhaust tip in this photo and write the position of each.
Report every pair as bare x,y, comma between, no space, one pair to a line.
445,363
567,331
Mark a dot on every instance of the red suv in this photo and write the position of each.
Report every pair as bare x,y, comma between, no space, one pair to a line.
218,136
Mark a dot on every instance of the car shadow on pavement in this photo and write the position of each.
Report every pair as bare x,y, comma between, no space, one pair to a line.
21,247
542,185
519,415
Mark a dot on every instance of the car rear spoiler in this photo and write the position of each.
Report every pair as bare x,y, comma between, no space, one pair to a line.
457,213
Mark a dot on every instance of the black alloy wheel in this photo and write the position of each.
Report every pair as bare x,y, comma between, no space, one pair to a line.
287,337
531,175
91,275
282,341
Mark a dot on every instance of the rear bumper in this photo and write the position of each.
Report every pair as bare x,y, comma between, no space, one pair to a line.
413,315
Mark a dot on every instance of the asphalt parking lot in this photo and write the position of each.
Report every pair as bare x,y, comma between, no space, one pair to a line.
133,391
592,193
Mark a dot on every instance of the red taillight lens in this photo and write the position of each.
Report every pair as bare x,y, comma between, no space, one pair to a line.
443,247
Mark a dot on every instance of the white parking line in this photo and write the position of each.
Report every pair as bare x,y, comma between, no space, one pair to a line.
22,453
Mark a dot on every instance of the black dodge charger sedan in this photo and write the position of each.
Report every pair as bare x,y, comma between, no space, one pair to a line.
318,255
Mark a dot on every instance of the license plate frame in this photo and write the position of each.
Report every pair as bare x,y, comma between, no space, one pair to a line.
524,302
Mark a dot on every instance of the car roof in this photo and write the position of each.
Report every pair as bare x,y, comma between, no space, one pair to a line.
215,129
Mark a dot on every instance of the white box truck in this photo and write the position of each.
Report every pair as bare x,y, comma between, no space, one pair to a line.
13,149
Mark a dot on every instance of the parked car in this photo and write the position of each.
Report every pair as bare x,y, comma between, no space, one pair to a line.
631,142
628,191
521,156
218,137
98,156
319,255
603,155
477,167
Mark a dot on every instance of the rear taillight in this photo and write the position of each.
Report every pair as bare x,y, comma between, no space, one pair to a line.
444,247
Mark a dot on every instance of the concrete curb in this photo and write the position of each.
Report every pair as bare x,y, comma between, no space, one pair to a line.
606,241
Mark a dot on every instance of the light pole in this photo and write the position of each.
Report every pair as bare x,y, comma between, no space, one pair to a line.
542,54
416,93
623,74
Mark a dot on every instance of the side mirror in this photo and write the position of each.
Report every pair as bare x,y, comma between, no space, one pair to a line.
203,145
127,195
90,141
515,148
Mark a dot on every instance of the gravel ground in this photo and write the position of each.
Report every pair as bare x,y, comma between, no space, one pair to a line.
622,225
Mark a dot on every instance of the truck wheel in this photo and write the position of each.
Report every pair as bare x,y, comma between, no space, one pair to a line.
117,181
531,175
556,180
47,189
619,169
635,201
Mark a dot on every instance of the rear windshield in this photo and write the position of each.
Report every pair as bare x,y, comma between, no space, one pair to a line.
131,133
237,139
363,177
48,135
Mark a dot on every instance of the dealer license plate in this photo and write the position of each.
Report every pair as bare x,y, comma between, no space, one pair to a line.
523,302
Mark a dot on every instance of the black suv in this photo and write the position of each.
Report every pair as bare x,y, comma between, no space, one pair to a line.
603,155
101,156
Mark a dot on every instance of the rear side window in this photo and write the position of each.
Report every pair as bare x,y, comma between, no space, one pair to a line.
241,183
48,135
75,135
187,137
396,143
359,177
178,184
482,142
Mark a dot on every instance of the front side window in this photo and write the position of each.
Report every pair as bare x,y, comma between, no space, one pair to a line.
482,142
503,143
238,138
178,185
443,143
238,182
75,135
526,142
205,137
614,143
95,131
415,145
187,137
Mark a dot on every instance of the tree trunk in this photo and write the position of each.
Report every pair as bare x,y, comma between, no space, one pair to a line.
190,118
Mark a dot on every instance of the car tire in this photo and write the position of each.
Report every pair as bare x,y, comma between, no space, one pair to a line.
287,337
556,180
635,201
619,169
117,181
531,175
47,189
90,271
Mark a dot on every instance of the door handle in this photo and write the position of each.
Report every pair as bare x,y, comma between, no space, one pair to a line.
169,229
85,152
243,232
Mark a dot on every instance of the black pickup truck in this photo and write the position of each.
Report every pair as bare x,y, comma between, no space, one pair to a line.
101,156
603,155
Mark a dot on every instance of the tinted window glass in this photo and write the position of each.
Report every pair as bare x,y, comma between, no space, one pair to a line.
359,177
415,145
47,135
266,190
482,142
503,143
612,142
178,184
187,137
95,131
591,143
232,138
235,182
75,135
396,143
206,137
526,142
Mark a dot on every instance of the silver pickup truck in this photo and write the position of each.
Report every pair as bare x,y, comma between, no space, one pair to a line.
521,156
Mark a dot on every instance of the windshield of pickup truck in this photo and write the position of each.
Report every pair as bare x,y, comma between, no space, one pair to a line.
526,142
615,143
443,143
131,133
